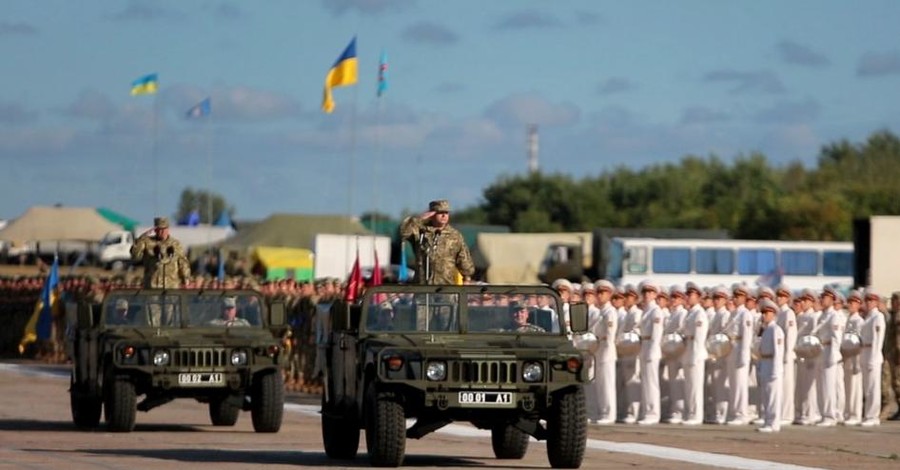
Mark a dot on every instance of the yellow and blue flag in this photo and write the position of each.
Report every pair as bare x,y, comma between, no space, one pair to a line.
382,74
200,109
344,72
146,85
40,325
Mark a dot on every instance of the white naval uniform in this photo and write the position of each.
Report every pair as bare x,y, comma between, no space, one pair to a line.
629,394
719,370
830,332
853,388
693,361
651,340
674,373
871,360
603,388
770,370
787,320
738,366
806,403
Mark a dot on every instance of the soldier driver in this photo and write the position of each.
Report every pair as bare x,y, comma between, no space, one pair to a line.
440,249
162,257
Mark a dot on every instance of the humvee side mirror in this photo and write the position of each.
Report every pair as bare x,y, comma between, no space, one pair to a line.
578,317
276,314
84,316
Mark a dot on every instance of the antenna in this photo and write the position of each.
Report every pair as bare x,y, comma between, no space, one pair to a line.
532,148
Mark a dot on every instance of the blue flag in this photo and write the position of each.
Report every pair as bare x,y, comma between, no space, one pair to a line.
200,109
220,276
402,275
40,325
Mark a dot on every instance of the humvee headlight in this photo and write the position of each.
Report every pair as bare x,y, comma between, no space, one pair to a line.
573,364
161,358
436,371
238,358
532,372
128,352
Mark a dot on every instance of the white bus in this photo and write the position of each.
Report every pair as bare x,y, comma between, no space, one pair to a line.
798,264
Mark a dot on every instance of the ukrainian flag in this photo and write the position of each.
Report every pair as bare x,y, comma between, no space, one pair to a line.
342,73
146,85
48,306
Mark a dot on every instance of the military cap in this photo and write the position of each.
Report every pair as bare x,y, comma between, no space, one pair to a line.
752,293
603,284
809,294
676,291
766,292
588,287
516,306
840,298
647,285
630,290
828,290
663,294
739,289
161,222
692,286
855,295
121,304
440,205
229,302
767,304
619,293
561,284
871,295
720,291
576,287
783,291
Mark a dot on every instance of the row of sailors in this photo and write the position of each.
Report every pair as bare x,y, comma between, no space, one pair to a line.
710,337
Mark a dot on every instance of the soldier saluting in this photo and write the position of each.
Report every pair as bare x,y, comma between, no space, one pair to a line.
440,249
163,259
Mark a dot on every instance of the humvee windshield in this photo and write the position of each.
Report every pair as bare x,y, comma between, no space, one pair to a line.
486,313
213,310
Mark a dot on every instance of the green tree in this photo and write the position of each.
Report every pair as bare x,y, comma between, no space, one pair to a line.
202,201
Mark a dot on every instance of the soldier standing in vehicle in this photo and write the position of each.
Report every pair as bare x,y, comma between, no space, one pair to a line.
440,249
163,259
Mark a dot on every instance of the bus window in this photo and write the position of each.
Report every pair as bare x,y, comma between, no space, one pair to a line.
837,263
802,263
614,264
714,261
756,261
637,260
672,260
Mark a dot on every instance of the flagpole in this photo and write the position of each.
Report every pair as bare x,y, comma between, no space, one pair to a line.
350,195
209,175
154,154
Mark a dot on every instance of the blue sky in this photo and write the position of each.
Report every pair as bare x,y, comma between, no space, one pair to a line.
608,83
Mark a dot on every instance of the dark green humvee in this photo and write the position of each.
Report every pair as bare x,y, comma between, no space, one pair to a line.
440,354
167,344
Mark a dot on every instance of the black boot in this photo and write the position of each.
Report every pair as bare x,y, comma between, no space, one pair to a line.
896,416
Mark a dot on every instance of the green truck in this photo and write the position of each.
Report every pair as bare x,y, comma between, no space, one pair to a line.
497,357
218,347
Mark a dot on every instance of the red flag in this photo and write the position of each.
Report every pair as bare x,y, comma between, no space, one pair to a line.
354,284
376,274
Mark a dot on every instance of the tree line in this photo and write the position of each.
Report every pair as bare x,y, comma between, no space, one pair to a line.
750,197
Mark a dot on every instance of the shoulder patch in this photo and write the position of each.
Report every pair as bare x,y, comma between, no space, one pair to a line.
790,322
778,341
699,322
609,324
836,327
656,320
877,328
747,323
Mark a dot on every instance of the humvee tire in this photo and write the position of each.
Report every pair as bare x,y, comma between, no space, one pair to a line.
120,405
567,429
509,442
340,434
86,409
222,412
385,428
267,402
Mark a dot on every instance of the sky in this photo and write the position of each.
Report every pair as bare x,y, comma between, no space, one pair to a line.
607,83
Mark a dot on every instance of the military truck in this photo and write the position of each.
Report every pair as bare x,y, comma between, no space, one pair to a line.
222,348
441,354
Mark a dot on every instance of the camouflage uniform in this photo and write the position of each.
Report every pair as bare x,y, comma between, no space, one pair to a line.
164,262
890,378
444,249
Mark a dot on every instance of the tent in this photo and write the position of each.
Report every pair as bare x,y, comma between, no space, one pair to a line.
51,224
126,223
292,231
281,263
515,258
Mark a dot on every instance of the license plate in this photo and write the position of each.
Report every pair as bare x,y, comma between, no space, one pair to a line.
198,379
492,399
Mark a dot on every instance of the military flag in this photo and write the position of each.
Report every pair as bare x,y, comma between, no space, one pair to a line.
344,72
40,325
146,85
354,282
200,109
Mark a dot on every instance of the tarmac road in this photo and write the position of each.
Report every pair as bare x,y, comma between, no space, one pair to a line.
36,432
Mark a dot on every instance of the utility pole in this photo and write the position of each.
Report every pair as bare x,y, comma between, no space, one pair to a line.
532,148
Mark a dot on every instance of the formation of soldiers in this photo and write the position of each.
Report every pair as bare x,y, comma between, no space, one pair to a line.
691,355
